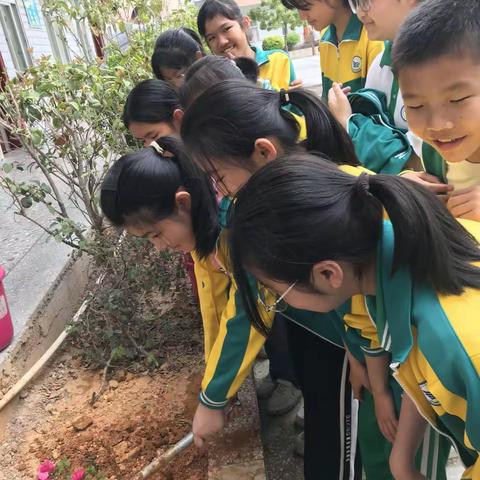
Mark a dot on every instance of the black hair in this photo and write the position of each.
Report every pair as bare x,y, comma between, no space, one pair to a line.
175,48
211,8
140,188
297,211
436,28
225,121
213,69
306,4
151,101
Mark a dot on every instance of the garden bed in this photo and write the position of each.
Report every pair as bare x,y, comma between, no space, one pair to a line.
136,416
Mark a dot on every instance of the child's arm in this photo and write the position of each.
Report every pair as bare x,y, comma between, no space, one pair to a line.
358,376
411,429
228,363
377,367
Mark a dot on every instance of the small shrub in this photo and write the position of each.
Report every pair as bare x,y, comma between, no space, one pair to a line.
274,42
292,39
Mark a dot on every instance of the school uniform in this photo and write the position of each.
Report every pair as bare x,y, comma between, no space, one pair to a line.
231,342
349,60
275,69
434,343
316,345
463,174
364,130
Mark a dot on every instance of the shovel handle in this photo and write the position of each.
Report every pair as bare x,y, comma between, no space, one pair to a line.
167,457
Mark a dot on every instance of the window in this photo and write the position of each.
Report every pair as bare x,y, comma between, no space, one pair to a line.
17,43
58,41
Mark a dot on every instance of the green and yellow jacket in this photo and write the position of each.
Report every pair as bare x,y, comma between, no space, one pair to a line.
275,69
434,342
347,61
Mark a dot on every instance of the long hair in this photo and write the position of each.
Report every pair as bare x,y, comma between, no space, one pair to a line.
140,188
151,101
175,48
297,211
213,69
224,122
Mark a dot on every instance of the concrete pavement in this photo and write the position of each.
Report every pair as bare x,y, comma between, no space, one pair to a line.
31,259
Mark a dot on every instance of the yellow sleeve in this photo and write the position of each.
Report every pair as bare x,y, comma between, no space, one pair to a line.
212,287
359,320
233,351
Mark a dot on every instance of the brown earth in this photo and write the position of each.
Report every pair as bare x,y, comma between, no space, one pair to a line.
137,416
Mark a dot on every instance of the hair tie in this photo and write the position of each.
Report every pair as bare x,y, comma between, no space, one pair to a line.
157,148
362,185
284,97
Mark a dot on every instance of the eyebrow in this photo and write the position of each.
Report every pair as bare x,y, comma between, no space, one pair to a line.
218,29
451,88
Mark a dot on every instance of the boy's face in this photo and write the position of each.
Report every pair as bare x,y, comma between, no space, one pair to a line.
227,37
321,13
442,104
383,18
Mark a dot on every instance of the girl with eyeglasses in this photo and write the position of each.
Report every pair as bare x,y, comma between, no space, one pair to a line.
157,194
417,274
225,134
212,140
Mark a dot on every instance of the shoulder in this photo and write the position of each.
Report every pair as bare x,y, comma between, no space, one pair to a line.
277,55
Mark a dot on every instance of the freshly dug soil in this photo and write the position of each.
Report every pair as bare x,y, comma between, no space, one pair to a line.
137,417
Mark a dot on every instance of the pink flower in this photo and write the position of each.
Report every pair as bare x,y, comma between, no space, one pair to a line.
78,474
44,470
46,466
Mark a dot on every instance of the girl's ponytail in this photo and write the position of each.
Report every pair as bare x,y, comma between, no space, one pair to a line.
140,188
428,238
337,145
204,208
298,211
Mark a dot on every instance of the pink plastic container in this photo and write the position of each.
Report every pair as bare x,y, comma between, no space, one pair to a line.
6,326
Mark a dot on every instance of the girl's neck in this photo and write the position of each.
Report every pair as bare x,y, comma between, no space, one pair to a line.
249,53
368,279
341,21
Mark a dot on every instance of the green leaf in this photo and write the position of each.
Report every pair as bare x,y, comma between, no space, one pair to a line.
8,167
26,202
37,137
46,188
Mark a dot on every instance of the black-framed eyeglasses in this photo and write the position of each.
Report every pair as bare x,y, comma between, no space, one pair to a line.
357,5
280,305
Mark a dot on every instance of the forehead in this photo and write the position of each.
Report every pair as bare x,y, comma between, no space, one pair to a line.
141,129
437,75
215,23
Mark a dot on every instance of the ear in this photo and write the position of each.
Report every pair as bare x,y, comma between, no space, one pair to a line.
246,23
327,276
177,118
198,55
183,201
264,151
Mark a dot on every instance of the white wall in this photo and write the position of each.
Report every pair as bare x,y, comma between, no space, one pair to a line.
37,40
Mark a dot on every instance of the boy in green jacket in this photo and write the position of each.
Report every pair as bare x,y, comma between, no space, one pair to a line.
443,109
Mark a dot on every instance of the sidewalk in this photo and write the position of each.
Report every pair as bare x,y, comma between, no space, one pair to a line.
32,263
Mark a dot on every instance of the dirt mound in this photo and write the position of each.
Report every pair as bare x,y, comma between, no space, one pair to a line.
137,417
